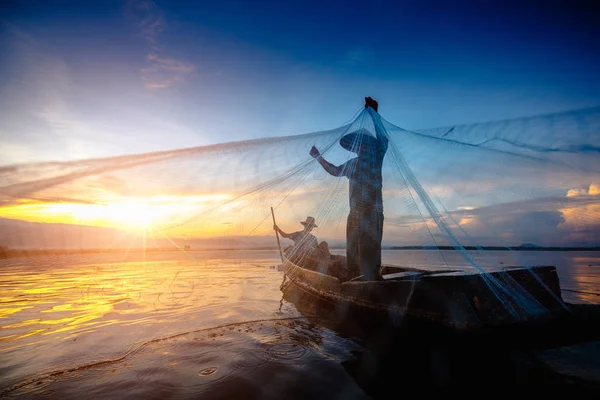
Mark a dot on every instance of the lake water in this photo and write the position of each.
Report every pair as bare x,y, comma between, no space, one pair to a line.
191,325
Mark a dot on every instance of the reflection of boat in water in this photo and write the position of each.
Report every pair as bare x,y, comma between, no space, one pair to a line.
449,300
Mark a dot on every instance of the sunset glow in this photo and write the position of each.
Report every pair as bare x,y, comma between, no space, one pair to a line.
142,117
131,214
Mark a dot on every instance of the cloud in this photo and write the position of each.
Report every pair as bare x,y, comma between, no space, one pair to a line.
170,64
39,116
551,221
587,190
149,19
163,70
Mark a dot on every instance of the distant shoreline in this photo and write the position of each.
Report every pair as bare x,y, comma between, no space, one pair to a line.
9,253
494,248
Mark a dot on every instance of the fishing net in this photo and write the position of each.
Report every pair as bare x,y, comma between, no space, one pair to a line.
506,184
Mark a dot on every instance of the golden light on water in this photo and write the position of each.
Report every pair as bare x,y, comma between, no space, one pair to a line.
62,302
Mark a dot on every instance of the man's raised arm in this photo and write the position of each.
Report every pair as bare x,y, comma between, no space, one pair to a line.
327,166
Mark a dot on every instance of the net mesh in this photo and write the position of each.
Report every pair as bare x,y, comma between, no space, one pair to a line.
503,184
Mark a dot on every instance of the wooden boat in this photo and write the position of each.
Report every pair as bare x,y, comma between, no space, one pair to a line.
452,300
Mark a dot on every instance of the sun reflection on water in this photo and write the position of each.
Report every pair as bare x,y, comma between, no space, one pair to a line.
51,312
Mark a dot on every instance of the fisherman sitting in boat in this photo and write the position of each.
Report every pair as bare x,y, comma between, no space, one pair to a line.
305,243
331,264
323,258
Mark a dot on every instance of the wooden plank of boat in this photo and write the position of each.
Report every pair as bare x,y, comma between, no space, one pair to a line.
389,297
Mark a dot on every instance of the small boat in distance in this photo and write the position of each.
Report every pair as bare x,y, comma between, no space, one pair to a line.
452,300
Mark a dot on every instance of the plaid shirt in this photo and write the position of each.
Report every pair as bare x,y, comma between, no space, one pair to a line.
303,242
364,173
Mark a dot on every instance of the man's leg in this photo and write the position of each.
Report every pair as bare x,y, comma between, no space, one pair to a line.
378,238
370,244
352,244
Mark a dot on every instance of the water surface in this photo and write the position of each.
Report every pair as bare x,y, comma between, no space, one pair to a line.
183,325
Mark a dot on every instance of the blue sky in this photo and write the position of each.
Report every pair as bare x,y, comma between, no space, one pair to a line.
92,79
100,78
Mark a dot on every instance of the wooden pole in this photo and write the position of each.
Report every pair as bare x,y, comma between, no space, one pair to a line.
277,235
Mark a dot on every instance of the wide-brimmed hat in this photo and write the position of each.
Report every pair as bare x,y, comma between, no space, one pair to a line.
310,221
353,141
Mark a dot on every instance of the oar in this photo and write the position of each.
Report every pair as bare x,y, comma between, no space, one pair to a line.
277,235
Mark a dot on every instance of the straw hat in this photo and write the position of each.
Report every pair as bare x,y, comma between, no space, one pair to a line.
353,141
310,221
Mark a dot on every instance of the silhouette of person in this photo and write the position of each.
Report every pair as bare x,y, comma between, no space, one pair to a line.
305,243
364,229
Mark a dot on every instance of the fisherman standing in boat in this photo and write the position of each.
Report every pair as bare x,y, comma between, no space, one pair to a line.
364,230
305,243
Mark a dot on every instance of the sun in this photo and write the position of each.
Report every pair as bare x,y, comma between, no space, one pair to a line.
132,216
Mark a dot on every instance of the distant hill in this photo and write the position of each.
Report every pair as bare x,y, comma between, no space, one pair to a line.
529,246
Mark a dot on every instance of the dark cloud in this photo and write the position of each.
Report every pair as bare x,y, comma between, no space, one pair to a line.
539,227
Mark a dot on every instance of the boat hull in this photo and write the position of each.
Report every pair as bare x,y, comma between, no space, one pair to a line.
412,298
